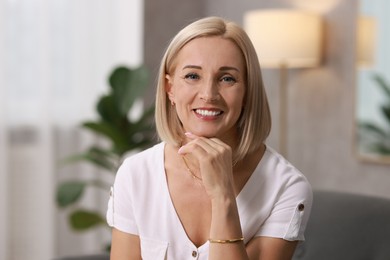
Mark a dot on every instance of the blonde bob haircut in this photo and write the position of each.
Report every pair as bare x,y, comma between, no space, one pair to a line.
255,121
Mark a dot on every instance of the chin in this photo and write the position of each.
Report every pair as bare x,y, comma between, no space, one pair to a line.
203,133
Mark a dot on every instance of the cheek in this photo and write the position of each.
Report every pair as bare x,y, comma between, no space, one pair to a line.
242,94
183,93
237,98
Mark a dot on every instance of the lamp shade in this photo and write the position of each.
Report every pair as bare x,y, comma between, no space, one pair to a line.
366,35
289,38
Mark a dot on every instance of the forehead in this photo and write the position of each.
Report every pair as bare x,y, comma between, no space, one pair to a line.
210,51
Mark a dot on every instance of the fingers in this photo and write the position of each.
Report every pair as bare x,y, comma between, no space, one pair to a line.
207,149
208,144
198,147
214,159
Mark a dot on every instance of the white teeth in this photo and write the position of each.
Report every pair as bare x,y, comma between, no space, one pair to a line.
208,112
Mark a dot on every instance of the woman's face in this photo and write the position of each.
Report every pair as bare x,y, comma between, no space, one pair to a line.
207,87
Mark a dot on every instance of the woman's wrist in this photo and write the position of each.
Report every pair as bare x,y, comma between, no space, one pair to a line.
226,241
225,213
224,203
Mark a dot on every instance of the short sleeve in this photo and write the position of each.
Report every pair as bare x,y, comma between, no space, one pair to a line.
291,212
120,207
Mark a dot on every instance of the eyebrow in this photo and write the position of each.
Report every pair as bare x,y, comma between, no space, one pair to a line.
224,68
192,67
229,68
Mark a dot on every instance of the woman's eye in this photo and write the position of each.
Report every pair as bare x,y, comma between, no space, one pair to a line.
191,76
228,79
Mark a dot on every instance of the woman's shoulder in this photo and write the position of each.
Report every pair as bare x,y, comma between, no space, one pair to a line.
280,172
272,160
284,177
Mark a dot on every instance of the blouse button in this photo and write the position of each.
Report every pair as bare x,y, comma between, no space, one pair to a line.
194,253
301,207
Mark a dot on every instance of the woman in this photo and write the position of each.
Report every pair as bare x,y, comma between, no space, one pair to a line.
211,189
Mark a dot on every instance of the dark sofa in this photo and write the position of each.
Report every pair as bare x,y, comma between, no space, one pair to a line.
346,226
86,257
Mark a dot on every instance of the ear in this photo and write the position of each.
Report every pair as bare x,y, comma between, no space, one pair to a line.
169,87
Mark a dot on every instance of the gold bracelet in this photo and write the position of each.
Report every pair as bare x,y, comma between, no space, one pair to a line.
226,241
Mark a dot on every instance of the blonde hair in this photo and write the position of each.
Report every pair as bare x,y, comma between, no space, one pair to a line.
254,124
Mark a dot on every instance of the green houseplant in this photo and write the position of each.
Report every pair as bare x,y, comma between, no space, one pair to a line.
375,138
123,135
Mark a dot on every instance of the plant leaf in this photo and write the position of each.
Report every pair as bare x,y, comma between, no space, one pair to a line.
144,124
373,129
112,132
379,148
69,192
127,85
386,112
385,86
384,150
107,161
107,248
104,158
84,219
108,110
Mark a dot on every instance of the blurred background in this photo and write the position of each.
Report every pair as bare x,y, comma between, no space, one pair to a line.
55,61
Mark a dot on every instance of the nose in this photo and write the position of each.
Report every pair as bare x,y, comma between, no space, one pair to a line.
209,91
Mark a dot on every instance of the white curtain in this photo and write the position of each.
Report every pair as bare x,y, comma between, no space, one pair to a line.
55,57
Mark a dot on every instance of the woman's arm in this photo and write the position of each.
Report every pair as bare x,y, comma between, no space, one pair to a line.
215,160
125,246
226,225
271,248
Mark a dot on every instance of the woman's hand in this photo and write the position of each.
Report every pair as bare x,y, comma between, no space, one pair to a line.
214,160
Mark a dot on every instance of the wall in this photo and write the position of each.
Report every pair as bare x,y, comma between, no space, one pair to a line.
3,154
161,24
321,100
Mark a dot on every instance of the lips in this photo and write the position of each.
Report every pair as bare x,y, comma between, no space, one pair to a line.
208,112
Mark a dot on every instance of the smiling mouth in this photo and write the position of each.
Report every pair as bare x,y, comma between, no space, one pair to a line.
205,112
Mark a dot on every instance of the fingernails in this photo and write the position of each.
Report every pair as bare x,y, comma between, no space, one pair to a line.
188,134
180,151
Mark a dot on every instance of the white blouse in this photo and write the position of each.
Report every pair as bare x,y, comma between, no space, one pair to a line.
275,202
